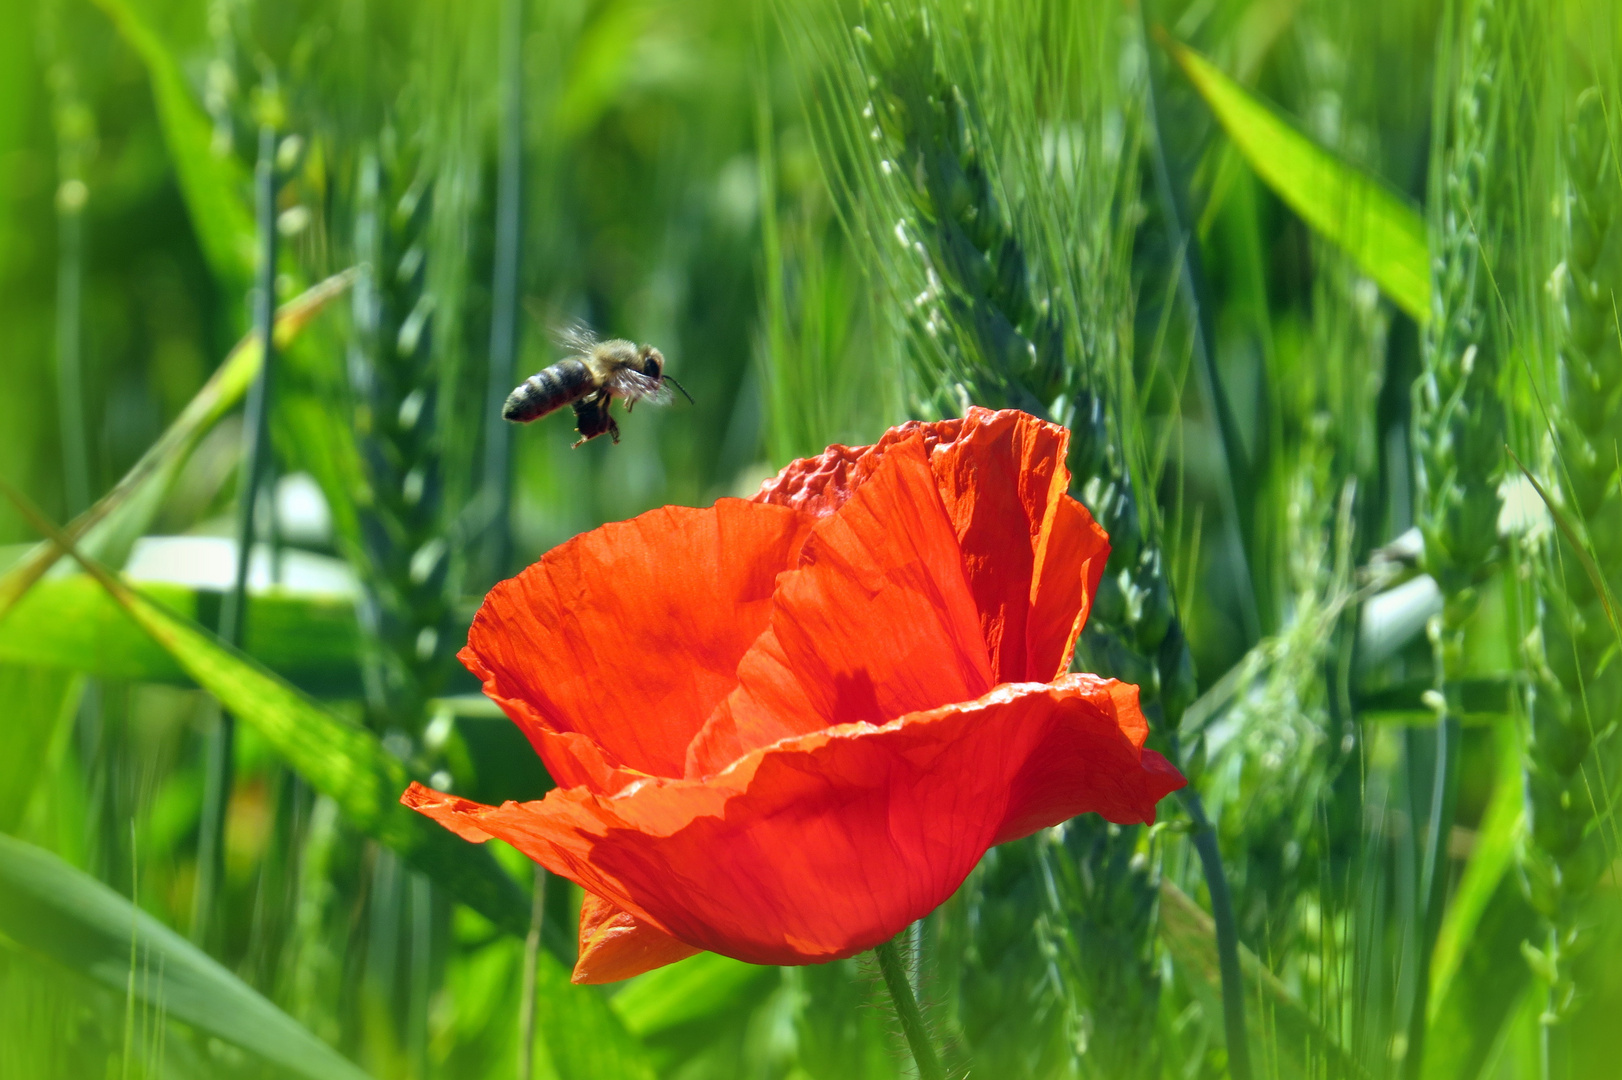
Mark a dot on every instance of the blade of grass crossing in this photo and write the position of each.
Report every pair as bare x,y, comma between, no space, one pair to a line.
219,750
339,759
122,514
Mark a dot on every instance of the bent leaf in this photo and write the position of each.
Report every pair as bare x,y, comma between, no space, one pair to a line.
122,514
71,624
1370,222
64,915
339,759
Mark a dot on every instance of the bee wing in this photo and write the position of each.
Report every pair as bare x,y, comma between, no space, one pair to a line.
633,386
577,337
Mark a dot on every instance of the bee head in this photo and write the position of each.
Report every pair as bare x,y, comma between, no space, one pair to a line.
652,360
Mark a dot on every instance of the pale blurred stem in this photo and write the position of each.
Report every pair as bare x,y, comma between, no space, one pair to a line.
526,999
255,448
1447,648
906,1007
504,288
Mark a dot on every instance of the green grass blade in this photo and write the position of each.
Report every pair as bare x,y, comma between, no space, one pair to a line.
37,701
1491,860
54,911
121,515
72,624
338,759
1382,233
1489,979
215,186
1278,1021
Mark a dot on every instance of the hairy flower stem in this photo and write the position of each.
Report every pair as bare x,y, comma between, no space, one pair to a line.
906,1007
219,751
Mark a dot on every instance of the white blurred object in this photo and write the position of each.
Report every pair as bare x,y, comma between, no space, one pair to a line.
301,510
209,562
1396,616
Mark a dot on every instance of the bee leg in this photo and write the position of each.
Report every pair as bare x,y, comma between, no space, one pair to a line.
614,430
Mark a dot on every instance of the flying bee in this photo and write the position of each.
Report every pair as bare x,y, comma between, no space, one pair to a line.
590,380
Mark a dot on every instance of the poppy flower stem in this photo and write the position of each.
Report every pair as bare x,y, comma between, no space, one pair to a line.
906,1007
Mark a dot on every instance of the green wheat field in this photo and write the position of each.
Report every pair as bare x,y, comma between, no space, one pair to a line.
1328,294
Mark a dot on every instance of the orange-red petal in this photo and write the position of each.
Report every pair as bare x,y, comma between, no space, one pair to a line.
1032,555
610,652
877,622
615,945
826,844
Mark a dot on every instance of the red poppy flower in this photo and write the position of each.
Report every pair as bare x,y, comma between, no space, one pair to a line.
784,728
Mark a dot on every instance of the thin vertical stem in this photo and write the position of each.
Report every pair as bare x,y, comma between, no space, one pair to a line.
526,998
256,441
1227,936
69,344
906,1007
1239,476
504,321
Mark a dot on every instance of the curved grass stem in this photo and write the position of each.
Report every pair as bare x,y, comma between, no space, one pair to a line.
906,1007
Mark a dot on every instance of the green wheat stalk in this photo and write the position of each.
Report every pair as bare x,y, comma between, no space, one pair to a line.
1003,236
1578,685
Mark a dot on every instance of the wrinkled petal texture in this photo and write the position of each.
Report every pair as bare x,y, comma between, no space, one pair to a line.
786,727
611,651
1033,556
821,846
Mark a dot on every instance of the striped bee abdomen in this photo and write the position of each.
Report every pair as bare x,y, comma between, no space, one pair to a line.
548,390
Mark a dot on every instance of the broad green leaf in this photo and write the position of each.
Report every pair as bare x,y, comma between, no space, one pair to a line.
1276,1018
72,624
36,702
215,186
54,911
700,986
108,528
579,1033
1375,226
339,759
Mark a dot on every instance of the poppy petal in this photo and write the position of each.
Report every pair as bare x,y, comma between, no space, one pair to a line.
615,688
823,845
615,945
1070,557
877,622
1003,480
1032,555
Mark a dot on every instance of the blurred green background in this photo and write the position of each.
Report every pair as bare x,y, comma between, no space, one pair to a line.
1325,292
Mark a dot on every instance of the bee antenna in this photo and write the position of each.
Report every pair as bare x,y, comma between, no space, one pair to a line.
682,388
